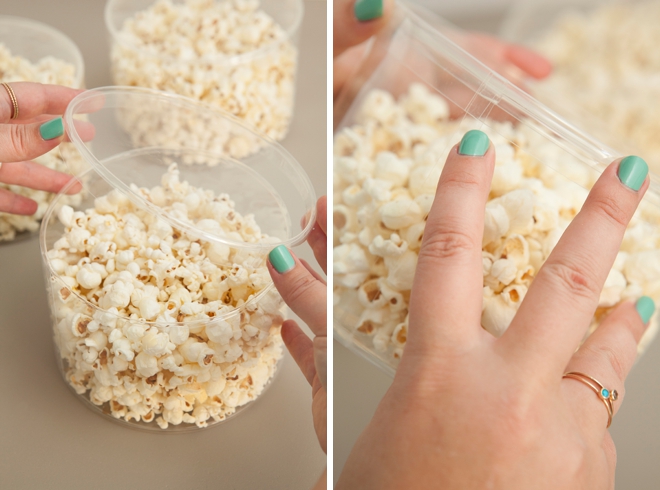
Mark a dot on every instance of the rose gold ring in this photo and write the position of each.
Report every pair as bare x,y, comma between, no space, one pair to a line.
605,395
14,101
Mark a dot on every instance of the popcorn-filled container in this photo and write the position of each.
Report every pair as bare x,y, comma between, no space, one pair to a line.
236,55
415,95
35,52
605,66
164,314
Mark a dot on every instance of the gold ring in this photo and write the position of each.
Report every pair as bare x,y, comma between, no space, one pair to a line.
605,395
14,101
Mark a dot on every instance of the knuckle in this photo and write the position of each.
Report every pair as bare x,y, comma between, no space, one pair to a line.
446,244
19,140
608,207
461,180
576,280
300,288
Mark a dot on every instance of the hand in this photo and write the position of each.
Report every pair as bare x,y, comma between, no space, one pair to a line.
467,410
35,132
305,293
354,25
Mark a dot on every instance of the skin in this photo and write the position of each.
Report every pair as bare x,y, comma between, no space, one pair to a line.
20,141
305,293
469,411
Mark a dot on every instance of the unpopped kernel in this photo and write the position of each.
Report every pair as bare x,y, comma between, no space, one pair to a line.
387,167
156,324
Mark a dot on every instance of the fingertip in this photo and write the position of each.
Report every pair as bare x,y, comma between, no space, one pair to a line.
645,307
531,62
281,259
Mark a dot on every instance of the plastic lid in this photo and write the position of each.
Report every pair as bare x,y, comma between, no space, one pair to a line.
139,132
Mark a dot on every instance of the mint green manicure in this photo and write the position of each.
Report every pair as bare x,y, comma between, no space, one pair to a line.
52,129
281,259
645,307
368,9
632,172
475,143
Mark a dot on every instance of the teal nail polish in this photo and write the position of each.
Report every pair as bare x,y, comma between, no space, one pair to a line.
368,9
281,259
475,143
645,307
632,172
52,129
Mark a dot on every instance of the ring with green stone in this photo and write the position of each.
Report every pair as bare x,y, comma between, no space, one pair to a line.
605,395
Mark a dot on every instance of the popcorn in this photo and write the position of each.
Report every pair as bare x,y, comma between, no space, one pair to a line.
383,194
228,54
604,62
159,326
14,68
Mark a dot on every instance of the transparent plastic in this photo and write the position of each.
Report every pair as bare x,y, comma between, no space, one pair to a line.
34,42
268,185
420,50
257,86
528,22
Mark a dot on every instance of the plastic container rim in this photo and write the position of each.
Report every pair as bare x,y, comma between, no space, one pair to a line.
186,102
232,60
29,24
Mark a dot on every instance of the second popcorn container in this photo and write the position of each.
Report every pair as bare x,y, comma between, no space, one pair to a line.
417,92
164,314
237,55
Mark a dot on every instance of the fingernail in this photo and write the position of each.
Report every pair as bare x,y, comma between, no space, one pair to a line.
632,172
281,259
645,307
475,143
368,9
52,129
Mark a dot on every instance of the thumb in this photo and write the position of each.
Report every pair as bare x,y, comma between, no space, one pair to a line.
355,21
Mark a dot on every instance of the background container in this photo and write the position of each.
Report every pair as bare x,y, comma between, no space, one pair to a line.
257,86
421,48
269,184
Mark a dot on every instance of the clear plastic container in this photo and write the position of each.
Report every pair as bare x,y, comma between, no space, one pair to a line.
46,50
257,86
210,343
417,92
612,101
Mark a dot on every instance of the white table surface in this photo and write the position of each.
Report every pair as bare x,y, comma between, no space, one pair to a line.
49,440
359,386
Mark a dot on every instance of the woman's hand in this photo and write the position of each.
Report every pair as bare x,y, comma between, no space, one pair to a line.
37,130
468,410
305,293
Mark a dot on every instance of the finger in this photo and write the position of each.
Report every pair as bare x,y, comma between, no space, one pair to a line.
355,21
317,238
449,265
35,99
563,297
528,61
35,176
322,213
321,359
311,270
16,204
608,355
19,142
304,294
301,348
